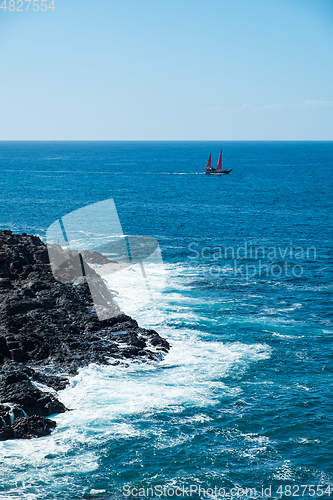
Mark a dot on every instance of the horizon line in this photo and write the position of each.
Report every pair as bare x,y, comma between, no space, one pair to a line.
166,140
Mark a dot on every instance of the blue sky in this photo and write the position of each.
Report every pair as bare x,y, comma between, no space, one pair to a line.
168,70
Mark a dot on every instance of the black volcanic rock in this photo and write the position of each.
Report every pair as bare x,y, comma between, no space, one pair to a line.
49,329
28,427
16,387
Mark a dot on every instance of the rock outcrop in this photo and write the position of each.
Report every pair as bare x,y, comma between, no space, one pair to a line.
49,329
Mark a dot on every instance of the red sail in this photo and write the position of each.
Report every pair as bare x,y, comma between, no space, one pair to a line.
219,163
209,162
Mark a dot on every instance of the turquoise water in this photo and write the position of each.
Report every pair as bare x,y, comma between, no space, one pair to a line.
244,398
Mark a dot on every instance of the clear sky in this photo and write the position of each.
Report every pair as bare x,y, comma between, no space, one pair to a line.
167,70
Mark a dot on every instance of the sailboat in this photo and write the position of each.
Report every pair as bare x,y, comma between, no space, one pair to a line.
218,170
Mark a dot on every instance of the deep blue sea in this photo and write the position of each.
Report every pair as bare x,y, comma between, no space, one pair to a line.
244,296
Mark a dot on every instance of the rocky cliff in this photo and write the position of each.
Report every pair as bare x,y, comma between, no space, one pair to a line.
49,329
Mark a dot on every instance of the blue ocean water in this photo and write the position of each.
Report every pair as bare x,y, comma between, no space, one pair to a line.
244,398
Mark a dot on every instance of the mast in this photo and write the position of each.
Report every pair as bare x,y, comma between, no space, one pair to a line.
219,163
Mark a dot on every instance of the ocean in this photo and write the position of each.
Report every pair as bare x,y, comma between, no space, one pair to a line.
241,406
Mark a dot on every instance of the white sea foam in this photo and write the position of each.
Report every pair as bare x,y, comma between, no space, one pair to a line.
192,372
280,335
107,402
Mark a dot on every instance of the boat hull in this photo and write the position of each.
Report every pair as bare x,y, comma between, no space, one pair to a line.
217,172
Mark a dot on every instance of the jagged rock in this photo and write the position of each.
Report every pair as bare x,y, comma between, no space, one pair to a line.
46,322
49,329
8,413
29,427
7,433
16,387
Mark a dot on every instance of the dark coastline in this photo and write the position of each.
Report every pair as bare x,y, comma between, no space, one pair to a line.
48,330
